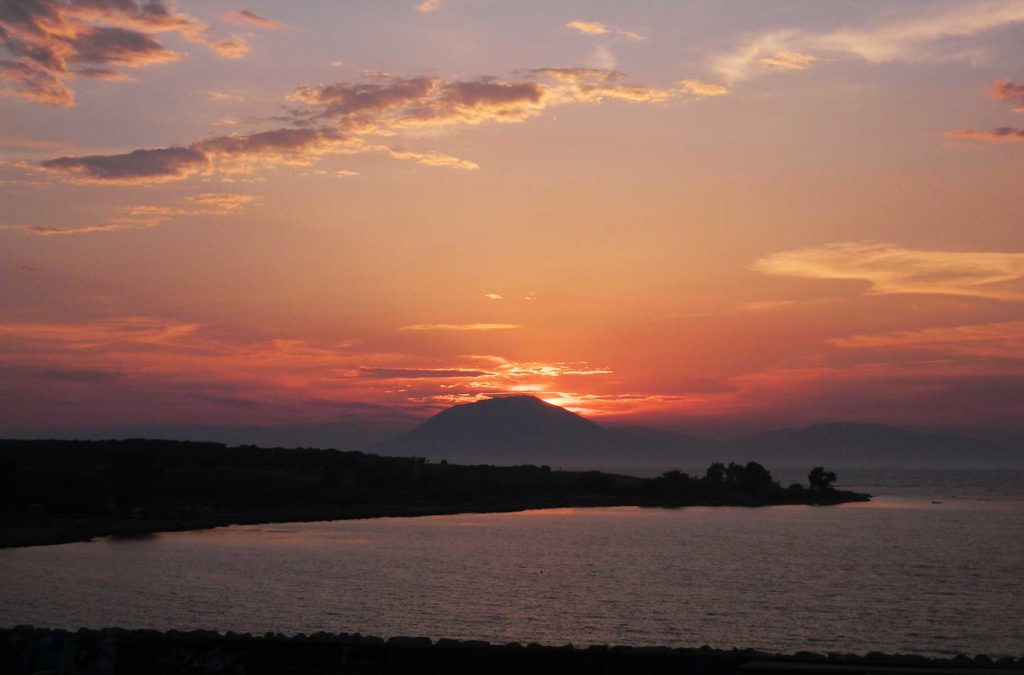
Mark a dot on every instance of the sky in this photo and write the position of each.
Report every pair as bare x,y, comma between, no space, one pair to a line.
716,216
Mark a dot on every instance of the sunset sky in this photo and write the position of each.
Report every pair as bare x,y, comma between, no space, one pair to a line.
712,216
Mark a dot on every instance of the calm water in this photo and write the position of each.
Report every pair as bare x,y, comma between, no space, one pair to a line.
900,574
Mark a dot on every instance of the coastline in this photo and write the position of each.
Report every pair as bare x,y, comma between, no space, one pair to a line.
69,530
115,650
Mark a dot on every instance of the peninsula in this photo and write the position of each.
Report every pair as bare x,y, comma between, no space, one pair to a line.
63,491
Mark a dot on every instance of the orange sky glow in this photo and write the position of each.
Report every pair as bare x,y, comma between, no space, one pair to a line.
721,215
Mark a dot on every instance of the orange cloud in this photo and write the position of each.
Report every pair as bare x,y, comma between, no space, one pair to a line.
244,17
703,89
124,361
144,216
1000,135
1010,91
588,27
786,60
599,28
892,269
433,159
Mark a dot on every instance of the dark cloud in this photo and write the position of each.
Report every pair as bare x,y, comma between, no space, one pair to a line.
174,163
419,373
489,92
45,37
118,46
277,141
137,166
353,98
103,74
33,83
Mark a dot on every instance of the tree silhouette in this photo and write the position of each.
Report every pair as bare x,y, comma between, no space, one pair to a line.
820,479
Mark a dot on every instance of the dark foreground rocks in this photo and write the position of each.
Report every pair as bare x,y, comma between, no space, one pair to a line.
121,652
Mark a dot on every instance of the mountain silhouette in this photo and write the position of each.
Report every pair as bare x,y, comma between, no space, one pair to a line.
507,430
526,430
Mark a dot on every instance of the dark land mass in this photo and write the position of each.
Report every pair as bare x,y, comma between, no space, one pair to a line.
525,429
62,491
25,650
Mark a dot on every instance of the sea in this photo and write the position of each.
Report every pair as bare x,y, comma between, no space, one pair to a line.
932,565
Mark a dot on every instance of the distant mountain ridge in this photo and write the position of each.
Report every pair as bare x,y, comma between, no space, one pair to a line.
527,430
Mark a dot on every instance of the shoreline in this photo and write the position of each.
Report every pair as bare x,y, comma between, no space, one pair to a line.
114,650
72,530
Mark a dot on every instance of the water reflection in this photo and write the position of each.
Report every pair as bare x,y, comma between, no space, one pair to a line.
899,574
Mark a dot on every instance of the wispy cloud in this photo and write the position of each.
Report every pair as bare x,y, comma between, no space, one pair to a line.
493,296
888,269
703,89
1002,90
51,42
1009,91
421,373
588,27
916,37
342,118
110,225
788,61
600,28
428,6
992,340
461,326
244,17
998,135
432,158
144,216
223,96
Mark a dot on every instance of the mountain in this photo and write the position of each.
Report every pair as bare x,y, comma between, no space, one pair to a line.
506,430
527,430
